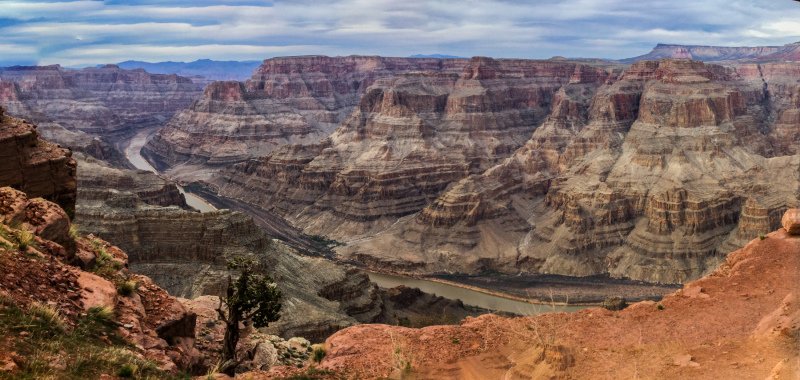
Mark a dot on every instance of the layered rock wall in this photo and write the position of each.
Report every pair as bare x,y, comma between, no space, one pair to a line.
288,100
35,166
104,100
560,167
651,184
93,110
409,138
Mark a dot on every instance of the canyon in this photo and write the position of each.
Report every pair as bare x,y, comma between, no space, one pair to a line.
186,253
651,171
183,251
167,249
560,180
92,110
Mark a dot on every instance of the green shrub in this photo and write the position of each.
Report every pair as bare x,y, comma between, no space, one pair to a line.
318,354
615,303
126,371
101,314
127,288
24,239
660,307
48,315
762,237
105,265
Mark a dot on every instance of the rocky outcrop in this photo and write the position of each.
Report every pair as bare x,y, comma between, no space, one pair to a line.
97,180
710,329
791,221
37,271
35,166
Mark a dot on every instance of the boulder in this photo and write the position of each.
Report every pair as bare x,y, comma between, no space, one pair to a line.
96,291
265,355
615,303
791,221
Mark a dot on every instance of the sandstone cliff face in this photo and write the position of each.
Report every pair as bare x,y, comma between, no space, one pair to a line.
651,172
288,100
672,166
104,100
93,110
408,139
35,166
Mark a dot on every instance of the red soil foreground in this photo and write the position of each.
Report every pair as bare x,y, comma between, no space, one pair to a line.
740,322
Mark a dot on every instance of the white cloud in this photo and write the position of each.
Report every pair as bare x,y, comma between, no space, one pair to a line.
109,31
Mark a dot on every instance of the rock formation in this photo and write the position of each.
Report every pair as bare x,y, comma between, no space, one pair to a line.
408,139
35,166
629,190
560,167
288,100
741,321
37,271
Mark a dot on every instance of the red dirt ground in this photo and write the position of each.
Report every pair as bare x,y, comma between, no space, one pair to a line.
740,322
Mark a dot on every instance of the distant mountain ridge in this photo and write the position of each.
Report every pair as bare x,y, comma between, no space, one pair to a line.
790,52
210,70
434,56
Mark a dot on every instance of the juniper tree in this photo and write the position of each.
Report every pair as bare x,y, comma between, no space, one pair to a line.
252,297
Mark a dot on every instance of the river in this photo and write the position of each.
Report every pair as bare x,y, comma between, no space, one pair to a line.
468,296
134,154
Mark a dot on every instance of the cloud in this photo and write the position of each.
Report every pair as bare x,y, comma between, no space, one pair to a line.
90,32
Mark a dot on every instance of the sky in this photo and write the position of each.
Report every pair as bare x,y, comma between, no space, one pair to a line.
79,33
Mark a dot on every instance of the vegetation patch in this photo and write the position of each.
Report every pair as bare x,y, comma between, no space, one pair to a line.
105,266
24,238
318,353
324,242
74,231
45,346
127,288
